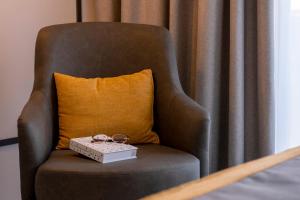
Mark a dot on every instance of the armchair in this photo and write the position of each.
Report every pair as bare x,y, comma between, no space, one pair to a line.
105,50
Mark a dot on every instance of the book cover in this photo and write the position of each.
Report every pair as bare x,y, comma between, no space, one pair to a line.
103,152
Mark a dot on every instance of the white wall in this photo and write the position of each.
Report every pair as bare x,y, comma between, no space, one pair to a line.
287,41
20,21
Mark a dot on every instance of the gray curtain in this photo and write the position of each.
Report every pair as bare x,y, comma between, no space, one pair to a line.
225,59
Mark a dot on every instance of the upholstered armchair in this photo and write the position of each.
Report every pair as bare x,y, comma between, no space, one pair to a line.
106,50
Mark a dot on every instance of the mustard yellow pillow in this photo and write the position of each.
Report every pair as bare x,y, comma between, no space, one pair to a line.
123,104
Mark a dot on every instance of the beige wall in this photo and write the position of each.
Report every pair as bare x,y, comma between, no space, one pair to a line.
19,24
20,21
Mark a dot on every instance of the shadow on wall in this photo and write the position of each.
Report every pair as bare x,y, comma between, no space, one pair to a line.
9,173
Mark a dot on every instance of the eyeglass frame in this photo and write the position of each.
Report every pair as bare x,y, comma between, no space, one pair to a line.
95,140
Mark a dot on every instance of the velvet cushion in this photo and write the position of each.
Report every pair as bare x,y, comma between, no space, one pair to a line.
114,105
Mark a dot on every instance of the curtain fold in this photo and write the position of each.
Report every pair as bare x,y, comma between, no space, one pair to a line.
225,60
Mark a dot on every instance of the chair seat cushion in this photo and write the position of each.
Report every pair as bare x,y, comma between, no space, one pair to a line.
68,175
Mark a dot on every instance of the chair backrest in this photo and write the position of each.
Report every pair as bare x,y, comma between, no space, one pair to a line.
102,49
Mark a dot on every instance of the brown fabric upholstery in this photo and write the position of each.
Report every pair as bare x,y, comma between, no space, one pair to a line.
105,50
67,175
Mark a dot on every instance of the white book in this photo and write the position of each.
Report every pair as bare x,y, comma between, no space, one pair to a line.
103,152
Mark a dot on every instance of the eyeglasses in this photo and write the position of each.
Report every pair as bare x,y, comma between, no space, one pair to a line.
117,138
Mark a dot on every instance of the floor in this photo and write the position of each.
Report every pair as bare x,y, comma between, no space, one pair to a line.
9,173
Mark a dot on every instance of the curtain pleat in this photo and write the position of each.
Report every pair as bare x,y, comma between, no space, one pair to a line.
251,83
154,12
265,76
181,26
236,84
209,72
108,10
89,10
225,62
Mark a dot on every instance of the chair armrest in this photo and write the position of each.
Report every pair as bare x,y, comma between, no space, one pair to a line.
188,129
35,140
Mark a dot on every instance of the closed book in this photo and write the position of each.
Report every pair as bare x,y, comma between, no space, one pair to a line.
103,152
